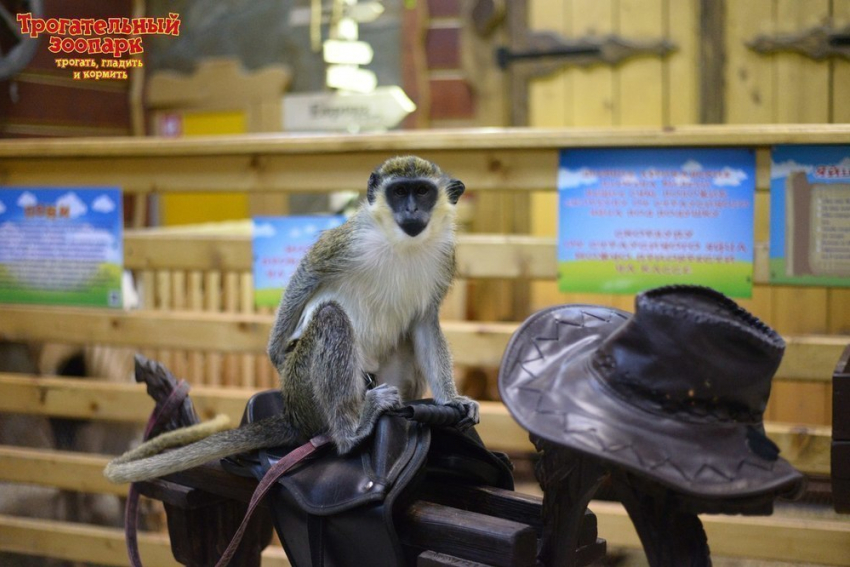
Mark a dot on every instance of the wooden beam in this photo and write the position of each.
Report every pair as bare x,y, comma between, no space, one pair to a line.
155,329
101,400
482,538
521,159
67,470
809,357
452,140
772,538
102,546
490,170
808,448
79,542
472,343
148,250
478,255
82,398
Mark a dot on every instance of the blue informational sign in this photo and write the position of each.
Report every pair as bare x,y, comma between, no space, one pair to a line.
633,219
810,215
279,243
61,246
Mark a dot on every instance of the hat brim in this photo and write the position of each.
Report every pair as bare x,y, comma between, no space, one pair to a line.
552,390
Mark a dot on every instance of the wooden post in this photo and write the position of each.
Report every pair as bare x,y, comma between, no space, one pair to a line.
712,61
569,481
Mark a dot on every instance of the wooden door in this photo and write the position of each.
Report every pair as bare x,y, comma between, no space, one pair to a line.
643,91
788,87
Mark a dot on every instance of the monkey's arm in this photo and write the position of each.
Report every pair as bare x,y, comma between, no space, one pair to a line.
299,290
435,363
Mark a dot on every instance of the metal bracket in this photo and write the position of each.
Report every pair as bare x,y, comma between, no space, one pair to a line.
550,52
818,43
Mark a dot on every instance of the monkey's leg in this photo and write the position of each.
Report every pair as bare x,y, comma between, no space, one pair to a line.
400,370
337,379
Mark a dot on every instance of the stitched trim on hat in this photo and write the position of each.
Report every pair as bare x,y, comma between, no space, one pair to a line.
752,327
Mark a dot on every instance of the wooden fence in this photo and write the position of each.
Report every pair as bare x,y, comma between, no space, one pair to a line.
198,317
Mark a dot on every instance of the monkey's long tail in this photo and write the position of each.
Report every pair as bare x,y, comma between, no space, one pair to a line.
145,462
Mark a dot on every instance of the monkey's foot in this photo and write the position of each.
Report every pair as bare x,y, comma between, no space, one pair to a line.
378,401
469,407
383,398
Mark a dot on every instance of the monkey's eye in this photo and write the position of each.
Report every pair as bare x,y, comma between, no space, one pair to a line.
399,191
422,190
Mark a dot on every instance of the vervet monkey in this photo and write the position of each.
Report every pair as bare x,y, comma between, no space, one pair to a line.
362,307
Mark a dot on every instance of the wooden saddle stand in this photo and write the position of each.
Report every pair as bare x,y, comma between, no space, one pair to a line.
446,524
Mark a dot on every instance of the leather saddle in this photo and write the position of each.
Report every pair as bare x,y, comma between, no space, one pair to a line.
342,511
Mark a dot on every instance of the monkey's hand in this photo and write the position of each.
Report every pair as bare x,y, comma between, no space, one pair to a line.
469,407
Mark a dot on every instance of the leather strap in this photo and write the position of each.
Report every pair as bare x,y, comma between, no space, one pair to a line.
316,537
168,407
131,511
269,479
131,524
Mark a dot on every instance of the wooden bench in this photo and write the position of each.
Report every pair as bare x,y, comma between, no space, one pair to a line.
449,524
467,526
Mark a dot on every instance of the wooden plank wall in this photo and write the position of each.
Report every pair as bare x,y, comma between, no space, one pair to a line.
212,291
789,88
759,89
642,92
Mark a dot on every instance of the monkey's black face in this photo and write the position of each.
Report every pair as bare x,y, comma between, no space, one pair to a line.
411,201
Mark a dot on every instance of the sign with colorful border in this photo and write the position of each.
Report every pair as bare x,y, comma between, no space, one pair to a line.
279,243
810,215
633,219
61,246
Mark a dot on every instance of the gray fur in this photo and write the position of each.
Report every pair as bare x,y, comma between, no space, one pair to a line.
365,299
266,433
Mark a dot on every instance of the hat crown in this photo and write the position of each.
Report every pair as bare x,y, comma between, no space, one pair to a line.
693,349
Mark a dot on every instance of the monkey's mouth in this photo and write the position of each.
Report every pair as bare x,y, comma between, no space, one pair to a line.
413,227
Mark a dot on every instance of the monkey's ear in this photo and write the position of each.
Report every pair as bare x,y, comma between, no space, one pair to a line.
372,187
455,189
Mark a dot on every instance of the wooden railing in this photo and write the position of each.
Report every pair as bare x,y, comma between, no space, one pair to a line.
473,343
808,540
806,447
488,159
198,298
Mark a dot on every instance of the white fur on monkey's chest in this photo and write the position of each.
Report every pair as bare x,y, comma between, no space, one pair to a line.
384,294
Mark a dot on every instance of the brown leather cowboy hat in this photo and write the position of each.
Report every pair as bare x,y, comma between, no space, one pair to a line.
675,392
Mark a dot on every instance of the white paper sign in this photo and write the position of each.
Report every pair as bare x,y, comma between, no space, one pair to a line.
381,109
